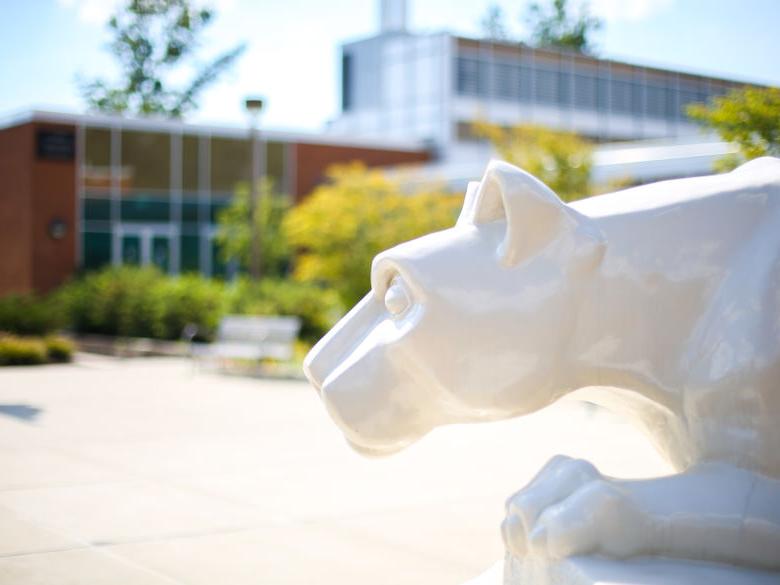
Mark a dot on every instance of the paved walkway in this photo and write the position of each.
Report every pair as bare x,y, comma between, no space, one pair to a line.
144,472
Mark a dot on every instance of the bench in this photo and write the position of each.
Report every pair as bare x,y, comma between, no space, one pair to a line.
249,337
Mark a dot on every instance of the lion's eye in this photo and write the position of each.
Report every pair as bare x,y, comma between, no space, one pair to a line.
396,298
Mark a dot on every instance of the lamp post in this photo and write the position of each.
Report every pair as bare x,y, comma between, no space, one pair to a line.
254,106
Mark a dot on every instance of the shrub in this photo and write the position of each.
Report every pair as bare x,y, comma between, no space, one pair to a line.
142,302
58,349
116,301
344,223
30,314
18,351
190,299
318,308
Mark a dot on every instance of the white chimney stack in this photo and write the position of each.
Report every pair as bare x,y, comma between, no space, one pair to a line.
392,16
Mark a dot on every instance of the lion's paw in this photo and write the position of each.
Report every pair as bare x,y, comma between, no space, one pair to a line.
569,508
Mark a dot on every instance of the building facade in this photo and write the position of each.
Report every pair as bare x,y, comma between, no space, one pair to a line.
432,87
82,192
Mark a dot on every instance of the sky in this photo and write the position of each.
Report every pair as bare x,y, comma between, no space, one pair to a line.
292,55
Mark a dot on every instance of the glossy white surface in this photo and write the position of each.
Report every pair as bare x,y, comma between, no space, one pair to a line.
640,571
602,571
661,302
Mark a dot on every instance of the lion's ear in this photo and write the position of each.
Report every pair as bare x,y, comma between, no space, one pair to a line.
534,214
469,204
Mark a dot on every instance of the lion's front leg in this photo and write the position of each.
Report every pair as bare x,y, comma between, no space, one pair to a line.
711,512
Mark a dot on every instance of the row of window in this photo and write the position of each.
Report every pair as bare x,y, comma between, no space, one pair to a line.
144,160
515,82
150,209
98,251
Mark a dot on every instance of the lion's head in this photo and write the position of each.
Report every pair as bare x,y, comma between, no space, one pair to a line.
466,324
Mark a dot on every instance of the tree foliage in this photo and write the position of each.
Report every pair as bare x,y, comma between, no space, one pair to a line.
562,160
494,24
749,117
358,213
234,232
152,38
557,26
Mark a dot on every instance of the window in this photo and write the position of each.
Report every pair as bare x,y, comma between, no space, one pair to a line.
656,101
671,103
189,253
190,211
96,247
506,84
218,264
145,208
584,92
97,158
525,83
546,86
274,165
146,162
468,76
602,94
346,82
190,161
638,103
231,163
564,88
621,96
96,209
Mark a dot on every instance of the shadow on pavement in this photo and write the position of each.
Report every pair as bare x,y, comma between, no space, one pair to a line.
23,412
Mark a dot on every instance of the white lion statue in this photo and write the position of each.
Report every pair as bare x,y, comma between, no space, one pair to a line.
663,300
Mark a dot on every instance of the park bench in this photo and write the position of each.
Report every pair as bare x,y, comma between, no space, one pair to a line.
249,337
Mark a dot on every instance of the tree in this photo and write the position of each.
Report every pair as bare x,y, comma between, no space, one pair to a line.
344,223
151,39
557,27
494,24
234,231
749,117
562,160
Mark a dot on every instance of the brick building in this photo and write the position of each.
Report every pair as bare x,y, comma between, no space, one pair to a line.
83,191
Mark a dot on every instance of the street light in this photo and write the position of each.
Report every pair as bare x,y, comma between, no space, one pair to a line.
254,106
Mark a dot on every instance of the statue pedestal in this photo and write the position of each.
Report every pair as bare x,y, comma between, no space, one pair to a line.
596,570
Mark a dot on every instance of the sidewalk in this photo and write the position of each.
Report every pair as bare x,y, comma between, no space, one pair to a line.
145,472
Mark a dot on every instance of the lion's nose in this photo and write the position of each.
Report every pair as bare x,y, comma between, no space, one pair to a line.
340,341
310,369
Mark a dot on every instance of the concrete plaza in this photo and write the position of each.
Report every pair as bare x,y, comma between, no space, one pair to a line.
147,472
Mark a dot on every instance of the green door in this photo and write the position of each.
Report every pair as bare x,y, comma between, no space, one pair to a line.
131,249
161,252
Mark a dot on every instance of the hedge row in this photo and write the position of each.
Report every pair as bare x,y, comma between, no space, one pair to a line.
19,351
143,302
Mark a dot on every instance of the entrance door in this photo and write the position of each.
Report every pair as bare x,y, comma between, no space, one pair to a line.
131,249
161,252
145,245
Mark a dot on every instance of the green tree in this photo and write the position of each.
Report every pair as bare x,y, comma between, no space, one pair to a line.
152,38
494,24
234,229
562,160
557,26
748,117
344,223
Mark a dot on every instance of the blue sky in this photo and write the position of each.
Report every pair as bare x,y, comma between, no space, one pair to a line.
292,55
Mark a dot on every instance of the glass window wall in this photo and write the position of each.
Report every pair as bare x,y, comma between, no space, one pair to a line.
133,200
231,164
